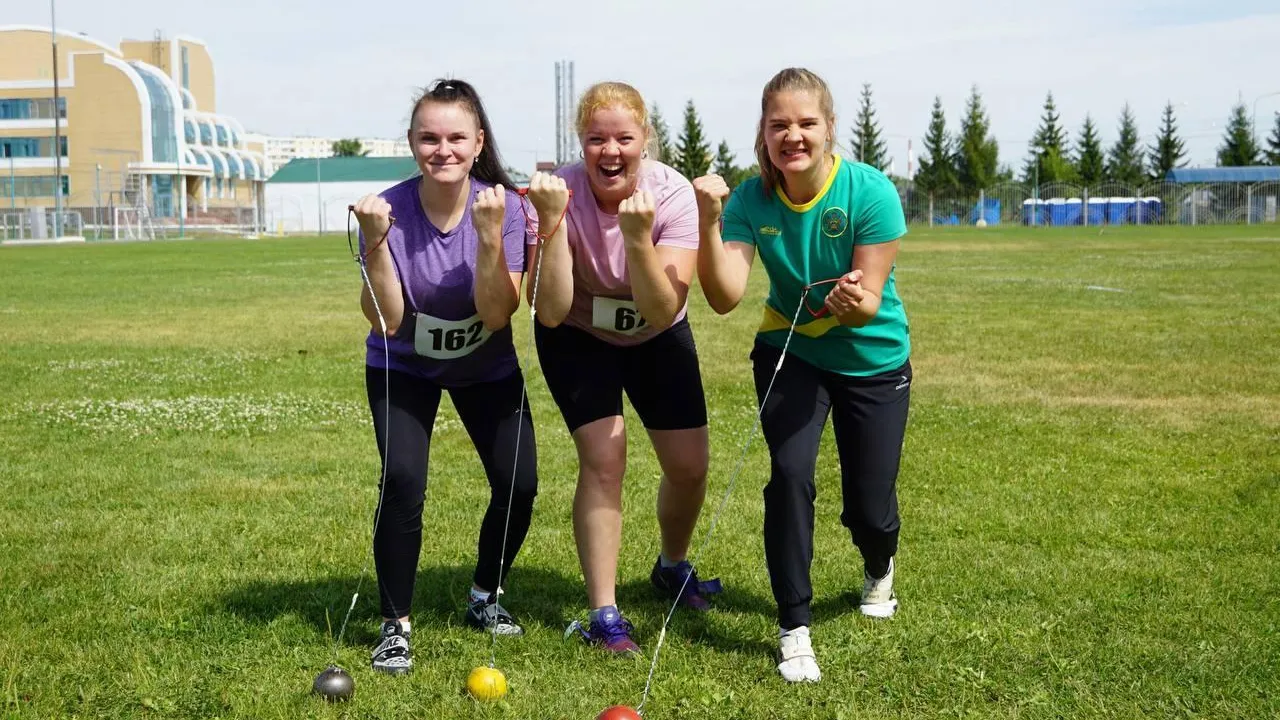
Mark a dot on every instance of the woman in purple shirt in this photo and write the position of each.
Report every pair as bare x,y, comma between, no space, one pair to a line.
444,256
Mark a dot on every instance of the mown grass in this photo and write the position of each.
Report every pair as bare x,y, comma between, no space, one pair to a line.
1090,493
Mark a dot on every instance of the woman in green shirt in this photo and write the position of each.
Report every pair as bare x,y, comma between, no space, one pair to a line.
827,232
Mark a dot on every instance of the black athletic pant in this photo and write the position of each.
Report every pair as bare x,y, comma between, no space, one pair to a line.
869,416
488,411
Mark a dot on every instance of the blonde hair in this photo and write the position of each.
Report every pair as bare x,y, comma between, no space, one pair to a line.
612,94
789,80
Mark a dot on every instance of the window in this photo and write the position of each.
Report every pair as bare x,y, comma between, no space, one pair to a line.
32,186
31,109
164,142
186,69
30,147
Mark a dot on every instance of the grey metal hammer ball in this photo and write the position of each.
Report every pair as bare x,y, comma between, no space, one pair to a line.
334,684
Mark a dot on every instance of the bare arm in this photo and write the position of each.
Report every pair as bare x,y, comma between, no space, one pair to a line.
722,271
660,278
856,298
552,282
374,216
497,289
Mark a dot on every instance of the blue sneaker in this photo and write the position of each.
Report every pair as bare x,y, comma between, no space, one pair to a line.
671,580
609,630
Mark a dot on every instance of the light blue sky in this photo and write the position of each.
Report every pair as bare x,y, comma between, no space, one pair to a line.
342,68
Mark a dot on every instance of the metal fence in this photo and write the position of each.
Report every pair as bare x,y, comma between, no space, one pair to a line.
37,224
105,222
1064,204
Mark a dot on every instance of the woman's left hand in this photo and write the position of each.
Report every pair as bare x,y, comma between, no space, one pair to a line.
847,295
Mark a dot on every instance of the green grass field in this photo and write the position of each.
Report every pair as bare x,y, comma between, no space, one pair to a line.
1090,497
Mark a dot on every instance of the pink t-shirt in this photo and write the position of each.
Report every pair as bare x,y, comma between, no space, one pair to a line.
602,300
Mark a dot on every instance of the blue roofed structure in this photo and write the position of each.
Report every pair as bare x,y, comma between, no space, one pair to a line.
1247,174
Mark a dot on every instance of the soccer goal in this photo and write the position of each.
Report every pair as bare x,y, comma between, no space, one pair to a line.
133,223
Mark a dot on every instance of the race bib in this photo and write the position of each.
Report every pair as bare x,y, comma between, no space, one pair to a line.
620,316
448,339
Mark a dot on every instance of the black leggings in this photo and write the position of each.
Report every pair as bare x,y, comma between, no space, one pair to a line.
488,411
869,420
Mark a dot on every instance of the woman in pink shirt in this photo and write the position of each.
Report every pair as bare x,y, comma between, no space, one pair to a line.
610,304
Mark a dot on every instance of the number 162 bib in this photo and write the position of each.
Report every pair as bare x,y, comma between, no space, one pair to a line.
448,339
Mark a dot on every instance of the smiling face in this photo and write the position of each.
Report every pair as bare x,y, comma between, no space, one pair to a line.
613,144
796,132
445,138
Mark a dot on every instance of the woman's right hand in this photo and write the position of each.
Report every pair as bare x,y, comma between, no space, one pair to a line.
374,215
710,191
549,195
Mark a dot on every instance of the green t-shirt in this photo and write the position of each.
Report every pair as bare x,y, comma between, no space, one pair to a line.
804,244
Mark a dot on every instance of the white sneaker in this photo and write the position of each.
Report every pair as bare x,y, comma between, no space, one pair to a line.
796,661
878,600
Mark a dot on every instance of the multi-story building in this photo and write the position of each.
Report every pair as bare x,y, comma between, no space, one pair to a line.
280,150
138,128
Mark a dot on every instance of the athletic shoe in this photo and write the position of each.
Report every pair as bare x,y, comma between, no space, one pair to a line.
878,600
392,654
609,630
796,661
491,617
671,580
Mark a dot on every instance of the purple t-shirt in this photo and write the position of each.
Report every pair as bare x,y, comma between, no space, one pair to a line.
441,337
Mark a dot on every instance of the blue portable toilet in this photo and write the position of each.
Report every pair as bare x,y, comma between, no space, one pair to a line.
1072,211
1033,212
1097,211
989,210
1151,209
1056,211
1119,209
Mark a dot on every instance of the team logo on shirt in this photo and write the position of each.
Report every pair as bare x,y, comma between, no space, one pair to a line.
834,222
769,230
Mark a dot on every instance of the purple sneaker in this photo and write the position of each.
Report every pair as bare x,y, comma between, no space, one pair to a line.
671,580
609,630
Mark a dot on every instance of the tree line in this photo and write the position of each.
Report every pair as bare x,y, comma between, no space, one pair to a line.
967,161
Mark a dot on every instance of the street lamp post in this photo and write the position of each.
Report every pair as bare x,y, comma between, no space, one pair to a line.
57,126
1255,110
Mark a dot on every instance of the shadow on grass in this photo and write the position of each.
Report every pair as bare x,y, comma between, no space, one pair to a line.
535,596
699,627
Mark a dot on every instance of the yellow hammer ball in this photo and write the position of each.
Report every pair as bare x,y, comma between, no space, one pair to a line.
486,683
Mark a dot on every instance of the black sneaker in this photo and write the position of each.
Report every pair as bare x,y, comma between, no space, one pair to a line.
491,617
392,654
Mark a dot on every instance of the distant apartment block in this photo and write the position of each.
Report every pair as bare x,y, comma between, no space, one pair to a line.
280,150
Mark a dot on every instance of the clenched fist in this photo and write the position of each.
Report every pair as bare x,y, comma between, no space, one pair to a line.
374,216
635,217
710,191
488,212
549,195
846,295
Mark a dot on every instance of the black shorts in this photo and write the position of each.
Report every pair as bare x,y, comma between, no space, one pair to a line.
587,376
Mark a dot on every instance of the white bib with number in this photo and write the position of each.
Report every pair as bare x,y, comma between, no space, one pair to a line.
448,339
620,316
